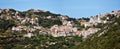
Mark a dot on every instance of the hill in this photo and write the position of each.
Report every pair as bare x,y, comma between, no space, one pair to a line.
39,29
107,38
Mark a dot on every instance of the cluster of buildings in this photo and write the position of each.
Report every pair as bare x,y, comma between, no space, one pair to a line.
57,31
93,21
68,29
87,33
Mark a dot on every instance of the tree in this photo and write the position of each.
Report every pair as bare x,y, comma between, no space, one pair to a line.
5,24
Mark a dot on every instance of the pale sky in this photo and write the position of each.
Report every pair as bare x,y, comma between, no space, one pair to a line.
72,8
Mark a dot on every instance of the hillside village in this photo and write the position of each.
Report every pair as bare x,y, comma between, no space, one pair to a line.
31,24
34,29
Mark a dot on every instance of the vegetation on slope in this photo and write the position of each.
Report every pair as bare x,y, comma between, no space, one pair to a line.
109,40
39,42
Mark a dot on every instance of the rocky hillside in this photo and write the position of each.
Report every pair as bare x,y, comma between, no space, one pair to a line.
42,22
34,29
45,22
